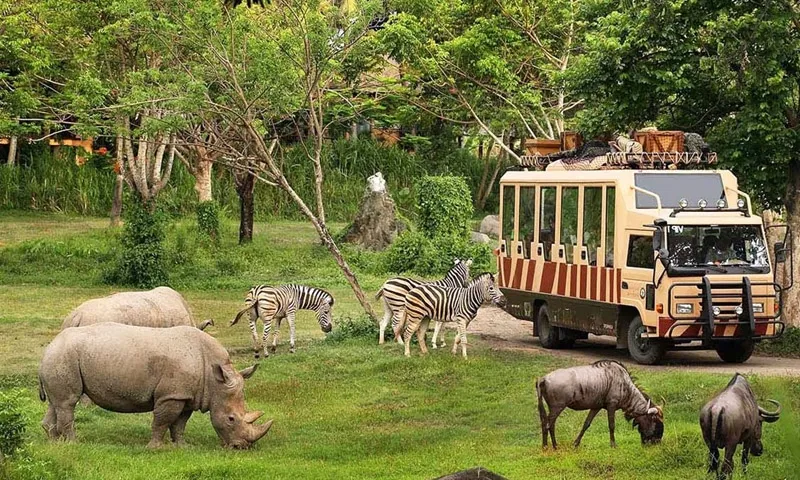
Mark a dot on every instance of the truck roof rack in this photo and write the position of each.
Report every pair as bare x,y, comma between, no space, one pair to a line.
620,161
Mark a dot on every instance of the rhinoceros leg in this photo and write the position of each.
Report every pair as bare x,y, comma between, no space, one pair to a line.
176,429
65,419
165,414
49,422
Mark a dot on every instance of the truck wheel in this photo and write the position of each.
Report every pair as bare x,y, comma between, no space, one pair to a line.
643,350
735,352
548,334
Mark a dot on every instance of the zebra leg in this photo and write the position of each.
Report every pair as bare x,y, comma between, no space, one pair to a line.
387,315
411,326
290,318
254,332
423,328
397,326
461,338
436,329
265,338
276,333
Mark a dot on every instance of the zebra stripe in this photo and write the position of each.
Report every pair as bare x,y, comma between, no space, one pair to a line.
394,292
445,304
276,303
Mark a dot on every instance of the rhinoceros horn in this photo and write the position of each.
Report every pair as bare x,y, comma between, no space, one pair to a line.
258,431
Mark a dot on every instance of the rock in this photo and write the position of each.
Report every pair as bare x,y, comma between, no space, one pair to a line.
478,237
490,225
375,226
477,473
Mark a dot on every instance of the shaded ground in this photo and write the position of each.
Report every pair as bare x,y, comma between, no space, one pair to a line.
504,332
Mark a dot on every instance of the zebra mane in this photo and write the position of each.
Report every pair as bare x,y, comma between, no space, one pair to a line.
478,278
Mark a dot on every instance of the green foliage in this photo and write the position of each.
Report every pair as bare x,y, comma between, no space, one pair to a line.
142,261
405,252
415,253
352,327
208,219
788,345
12,422
444,206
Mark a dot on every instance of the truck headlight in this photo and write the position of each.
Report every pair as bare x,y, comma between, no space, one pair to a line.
739,310
758,308
685,308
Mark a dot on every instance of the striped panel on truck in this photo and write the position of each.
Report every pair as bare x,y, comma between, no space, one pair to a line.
584,282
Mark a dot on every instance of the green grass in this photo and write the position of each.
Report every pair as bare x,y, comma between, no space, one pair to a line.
342,409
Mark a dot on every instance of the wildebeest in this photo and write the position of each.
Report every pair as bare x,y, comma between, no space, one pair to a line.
733,417
605,384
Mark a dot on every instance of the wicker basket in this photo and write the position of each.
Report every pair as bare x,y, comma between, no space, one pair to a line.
660,141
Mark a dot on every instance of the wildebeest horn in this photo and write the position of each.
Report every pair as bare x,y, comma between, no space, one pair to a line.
770,417
238,316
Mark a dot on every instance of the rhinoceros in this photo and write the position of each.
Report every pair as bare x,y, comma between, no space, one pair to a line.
168,371
161,307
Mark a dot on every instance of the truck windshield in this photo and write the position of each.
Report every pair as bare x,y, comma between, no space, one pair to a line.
719,248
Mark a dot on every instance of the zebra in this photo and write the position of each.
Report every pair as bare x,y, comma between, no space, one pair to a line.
444,304
268,303
394,292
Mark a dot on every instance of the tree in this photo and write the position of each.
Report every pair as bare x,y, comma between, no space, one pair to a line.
492,65
260,67
728,70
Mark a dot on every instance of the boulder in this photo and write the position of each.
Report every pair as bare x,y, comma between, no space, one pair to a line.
477,473
478,237
490,225
375,226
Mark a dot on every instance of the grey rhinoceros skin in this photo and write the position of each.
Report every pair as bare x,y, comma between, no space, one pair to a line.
169,371
161,307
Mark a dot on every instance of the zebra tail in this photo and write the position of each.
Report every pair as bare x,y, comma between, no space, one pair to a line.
379,294
42,394
239,315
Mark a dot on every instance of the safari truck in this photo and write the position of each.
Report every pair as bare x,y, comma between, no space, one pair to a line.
649,248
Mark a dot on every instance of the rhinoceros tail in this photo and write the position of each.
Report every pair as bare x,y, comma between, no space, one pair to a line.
42,395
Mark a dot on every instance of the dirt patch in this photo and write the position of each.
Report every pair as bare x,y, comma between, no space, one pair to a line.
502,331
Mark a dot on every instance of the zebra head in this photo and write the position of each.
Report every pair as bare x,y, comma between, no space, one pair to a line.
458,276
491,291
324,314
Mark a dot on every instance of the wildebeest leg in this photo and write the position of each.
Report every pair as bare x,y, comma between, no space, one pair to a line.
727,464
586,425
551,423
290,318
745,456
177,428
611,420
713,459
49,422
165,414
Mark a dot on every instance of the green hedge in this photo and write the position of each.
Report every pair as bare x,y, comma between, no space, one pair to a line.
444,206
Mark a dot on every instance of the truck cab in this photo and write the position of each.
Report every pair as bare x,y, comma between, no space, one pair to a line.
660,258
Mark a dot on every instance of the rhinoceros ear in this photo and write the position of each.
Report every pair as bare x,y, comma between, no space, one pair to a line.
249,371
224,373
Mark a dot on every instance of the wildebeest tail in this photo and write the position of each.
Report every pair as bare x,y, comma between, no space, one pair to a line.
540,386
42,395
715,421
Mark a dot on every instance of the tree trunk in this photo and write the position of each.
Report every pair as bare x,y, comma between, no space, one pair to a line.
116,204
202,179
12,151
245,187
791,301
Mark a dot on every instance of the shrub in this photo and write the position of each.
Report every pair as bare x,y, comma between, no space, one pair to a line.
788,345
12,422
444,206
405,252
438,257
208,219
142,262
359,326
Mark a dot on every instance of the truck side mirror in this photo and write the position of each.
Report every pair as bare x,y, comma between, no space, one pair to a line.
658,240
663,255
780,252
